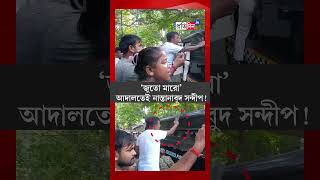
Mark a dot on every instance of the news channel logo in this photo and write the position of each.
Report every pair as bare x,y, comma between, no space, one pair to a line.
186,25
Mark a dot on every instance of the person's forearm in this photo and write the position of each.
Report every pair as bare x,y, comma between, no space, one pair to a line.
191,48
172,130
185,163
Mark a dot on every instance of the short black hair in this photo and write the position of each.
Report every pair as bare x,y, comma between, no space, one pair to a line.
123,139
148,56
117,49
151,121
128,40
171,35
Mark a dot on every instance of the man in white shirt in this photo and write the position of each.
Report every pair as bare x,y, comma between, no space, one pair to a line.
148,144
171,48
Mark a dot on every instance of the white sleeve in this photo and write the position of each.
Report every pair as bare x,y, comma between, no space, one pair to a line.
173,48
160,134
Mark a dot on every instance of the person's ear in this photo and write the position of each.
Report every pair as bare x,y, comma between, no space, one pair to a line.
131,48
149,71
116,157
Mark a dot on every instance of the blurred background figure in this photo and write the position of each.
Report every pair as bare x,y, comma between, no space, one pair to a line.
246,8
222,27
61,31
118,54
222,8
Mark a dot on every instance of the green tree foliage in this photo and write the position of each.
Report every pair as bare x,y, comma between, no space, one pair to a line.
251,144
81,154
152,25
131,114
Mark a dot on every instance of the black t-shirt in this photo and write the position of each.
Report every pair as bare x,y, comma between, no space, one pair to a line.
47,33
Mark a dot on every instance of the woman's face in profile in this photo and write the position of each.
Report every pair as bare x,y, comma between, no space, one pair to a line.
161,71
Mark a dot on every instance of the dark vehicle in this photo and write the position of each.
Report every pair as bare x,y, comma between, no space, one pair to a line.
176,150
197,57
285,166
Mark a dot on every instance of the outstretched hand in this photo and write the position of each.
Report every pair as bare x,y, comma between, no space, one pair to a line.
176,121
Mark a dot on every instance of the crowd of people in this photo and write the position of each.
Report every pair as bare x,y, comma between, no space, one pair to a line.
151,64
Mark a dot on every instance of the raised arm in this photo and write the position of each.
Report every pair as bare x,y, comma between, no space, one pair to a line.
192,48
174,127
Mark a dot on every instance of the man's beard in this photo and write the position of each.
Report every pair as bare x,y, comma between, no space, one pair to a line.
124,164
